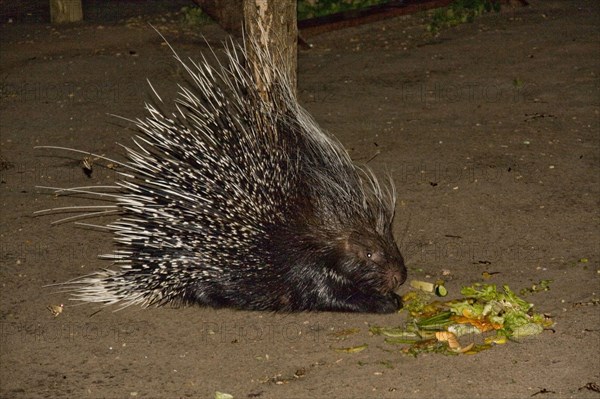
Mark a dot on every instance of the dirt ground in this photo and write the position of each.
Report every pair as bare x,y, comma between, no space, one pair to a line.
490,131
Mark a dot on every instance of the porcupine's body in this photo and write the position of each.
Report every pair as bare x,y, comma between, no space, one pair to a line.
240,200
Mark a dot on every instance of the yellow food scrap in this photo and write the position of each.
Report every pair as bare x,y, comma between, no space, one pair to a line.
453,344
482,325
446,336
55,309
498,340
422,285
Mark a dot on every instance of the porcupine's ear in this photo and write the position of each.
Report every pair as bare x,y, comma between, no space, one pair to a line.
362,246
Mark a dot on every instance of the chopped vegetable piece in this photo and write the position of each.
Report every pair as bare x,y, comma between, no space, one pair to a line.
352,349
422,285
440,290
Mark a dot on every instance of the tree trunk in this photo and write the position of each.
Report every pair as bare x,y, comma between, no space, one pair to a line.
272,24
63,11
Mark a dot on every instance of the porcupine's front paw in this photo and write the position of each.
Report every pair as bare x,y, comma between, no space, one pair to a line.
373,303
389,304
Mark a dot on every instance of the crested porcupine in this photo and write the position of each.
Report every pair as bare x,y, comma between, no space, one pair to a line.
238,199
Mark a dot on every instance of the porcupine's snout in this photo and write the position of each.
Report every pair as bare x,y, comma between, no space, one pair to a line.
394,273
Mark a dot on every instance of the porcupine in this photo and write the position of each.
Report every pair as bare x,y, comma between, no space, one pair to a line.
238,199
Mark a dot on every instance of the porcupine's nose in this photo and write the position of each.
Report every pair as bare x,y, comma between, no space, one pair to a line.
395,277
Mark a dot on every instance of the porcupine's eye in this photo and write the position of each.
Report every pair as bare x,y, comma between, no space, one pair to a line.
364,248
375,256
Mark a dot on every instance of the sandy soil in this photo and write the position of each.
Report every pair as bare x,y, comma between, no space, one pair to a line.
490,131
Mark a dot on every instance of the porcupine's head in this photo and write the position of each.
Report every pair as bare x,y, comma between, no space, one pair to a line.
373,261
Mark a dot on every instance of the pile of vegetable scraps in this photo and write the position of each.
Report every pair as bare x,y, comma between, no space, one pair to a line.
485,316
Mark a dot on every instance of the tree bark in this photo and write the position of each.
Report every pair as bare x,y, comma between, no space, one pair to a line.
64,11
273,25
